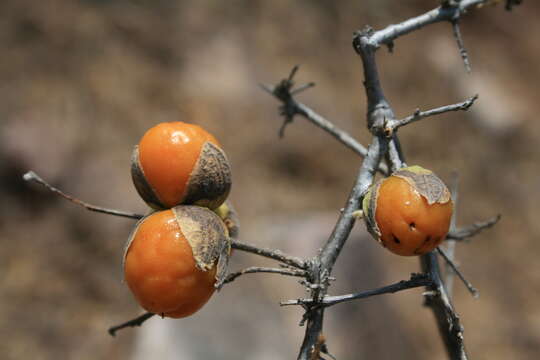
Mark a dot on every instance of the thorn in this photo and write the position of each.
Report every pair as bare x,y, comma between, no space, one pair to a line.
293,72
390,47
281,132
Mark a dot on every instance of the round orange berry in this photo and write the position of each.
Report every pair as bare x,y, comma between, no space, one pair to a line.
179,163
409,212
170,261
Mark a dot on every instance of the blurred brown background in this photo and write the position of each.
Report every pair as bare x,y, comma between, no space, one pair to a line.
80,82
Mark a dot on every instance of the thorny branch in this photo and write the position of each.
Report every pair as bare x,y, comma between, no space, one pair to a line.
379,115
416,280
385,143
284,92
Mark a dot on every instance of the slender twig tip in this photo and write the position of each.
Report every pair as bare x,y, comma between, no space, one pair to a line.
302,88
470,102
293,72
29,176
269,89
468,285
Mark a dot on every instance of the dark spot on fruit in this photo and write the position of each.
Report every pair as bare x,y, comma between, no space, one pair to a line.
412,226
427,239
396,240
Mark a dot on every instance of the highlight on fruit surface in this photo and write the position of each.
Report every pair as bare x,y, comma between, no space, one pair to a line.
408,212
179,163
174,259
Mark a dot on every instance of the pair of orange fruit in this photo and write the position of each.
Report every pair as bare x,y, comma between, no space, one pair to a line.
172,255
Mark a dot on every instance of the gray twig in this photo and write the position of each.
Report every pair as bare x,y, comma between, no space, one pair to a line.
391,126
416,280
461,45
33,177
470,231
442,13
270,253
474,292
256,269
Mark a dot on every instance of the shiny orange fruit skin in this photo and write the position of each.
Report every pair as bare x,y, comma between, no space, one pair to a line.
408,224
160,270
168,153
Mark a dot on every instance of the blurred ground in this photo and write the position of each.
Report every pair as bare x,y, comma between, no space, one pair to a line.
80,81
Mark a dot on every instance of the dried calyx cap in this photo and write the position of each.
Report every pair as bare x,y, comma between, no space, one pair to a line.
174,259
178,163
408,212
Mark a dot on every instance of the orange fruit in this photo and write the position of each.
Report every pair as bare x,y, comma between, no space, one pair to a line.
171,257
180,163
409,212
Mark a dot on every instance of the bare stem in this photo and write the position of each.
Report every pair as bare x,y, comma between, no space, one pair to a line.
474,292
461,45
31,176
418,115
271,254
417,280
256,269
470,231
